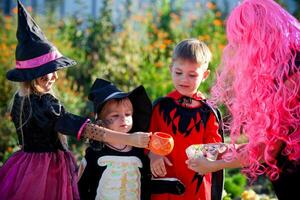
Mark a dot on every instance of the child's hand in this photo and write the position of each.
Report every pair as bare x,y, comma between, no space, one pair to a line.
157,164
201,165
139,139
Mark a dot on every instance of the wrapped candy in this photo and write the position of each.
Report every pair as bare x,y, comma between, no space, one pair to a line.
211,151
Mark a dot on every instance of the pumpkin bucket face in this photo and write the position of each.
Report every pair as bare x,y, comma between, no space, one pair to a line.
161,143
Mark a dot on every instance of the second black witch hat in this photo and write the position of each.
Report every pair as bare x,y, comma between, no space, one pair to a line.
102,91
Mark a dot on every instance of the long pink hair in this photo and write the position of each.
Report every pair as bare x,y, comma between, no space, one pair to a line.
259,83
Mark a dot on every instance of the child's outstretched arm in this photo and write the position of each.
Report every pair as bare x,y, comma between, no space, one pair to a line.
99,133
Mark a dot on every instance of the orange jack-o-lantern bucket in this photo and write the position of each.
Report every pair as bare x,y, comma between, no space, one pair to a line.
161,143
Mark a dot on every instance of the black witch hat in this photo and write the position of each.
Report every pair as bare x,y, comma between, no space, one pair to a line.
102,91
35,55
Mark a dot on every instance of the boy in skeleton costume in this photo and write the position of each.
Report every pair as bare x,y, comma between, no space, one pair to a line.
114,170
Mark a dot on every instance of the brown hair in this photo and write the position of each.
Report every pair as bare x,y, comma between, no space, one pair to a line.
102,113
192,50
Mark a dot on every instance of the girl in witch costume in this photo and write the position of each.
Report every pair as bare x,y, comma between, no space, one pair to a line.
185,114
114,170
44,168
260,84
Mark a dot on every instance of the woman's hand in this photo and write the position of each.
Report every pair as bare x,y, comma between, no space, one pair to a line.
139,139
157,164
202,165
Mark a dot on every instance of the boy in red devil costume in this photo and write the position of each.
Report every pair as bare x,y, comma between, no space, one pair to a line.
186,115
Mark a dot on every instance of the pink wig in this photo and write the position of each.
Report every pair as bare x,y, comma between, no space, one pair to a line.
259,83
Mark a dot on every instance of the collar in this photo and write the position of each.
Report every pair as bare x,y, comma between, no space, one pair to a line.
177,96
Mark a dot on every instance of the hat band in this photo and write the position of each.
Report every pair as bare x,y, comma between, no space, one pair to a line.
111,95
38,61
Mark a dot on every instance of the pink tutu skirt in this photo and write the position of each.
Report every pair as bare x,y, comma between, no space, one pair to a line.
41,176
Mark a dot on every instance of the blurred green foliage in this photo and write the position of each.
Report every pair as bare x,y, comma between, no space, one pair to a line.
138,52
235,183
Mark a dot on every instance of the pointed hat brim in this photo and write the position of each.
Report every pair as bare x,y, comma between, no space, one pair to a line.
21,75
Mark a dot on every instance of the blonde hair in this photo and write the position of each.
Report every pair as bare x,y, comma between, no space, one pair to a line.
30,87
25,89
192,50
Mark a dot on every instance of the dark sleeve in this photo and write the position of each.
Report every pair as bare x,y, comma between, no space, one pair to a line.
69,124
64,122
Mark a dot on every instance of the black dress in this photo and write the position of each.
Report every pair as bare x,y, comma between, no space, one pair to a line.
43,168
